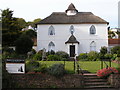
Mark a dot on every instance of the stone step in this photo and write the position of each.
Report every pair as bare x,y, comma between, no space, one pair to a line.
95,80
100,86
95,83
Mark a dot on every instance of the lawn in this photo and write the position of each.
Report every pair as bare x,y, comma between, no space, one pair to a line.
90,66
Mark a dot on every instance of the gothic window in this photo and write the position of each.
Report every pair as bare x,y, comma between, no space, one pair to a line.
51,46
92,46
92,30
72,30
51,30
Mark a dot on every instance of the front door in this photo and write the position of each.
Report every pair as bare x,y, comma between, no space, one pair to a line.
72,50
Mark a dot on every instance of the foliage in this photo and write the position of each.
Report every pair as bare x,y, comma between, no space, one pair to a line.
10,28
56,70
106,72
115,50
103,50
32,65
23,44
63,55
108,56
31,33
37,56
83,56
111,34
92,56
50,53
53,58
42,68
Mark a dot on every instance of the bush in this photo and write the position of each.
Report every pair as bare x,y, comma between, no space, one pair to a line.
42,68
37,56
63,55
114,56
50,53
103,50
108,56
32,65
83,56
92,56
115,50
53,58
106,72
56,70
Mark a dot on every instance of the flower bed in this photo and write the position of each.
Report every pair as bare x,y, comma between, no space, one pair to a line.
106,72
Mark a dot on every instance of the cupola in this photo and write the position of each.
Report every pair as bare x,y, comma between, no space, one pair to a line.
71,10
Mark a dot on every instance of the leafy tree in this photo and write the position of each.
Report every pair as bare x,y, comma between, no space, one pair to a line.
24,44
31,33
111,34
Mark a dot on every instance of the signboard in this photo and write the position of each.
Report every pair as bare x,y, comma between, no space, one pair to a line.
15,66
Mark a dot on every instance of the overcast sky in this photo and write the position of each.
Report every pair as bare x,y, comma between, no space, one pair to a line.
32,9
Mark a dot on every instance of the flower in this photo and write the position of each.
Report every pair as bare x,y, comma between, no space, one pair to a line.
106,71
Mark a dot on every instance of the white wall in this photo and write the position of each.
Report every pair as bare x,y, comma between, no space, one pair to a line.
81,33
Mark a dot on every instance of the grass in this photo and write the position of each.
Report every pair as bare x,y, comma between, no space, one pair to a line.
90,66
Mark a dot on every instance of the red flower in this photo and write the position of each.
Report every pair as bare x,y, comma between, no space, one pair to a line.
106,71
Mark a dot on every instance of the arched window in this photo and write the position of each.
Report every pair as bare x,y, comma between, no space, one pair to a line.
51,46
92,46
72,30
51,30
92,30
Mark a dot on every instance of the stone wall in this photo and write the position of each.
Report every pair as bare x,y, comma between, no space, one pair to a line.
47,81
114,80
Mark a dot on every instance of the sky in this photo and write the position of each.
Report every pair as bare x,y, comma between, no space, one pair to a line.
33,9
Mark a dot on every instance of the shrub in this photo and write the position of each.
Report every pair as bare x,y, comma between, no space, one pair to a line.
50,53
106,72
103,50
63,55
108,56
53,58
56,70
32,65
114,56
83,56
42,68
92,56
115,50
37,56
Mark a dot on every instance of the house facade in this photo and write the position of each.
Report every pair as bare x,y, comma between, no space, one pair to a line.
72,31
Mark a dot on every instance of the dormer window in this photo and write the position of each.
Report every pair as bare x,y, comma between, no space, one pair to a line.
92,30
51,30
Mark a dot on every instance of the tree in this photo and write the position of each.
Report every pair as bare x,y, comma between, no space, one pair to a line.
116,50
111,34
103,50
10,28
30,33
23,44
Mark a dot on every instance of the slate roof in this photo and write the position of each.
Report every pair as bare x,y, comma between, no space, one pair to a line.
72,39
79,18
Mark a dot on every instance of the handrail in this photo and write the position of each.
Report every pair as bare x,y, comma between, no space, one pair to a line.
108,66
78,67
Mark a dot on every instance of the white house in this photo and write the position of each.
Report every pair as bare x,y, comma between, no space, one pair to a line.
72,31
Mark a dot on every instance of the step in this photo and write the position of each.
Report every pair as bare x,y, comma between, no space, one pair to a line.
95,80
95,83
100,86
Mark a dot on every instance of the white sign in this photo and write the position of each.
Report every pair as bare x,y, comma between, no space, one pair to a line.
15,66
